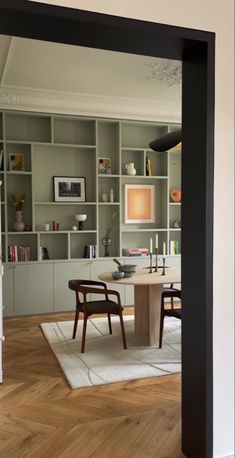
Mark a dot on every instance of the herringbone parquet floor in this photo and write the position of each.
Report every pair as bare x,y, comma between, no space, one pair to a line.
40,416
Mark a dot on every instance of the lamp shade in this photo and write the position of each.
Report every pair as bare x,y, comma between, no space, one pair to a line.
166,142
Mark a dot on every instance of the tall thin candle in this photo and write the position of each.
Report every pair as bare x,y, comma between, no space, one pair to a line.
164,249
151,245
156,241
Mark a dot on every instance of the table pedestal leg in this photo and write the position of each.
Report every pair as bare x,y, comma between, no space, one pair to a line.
147,312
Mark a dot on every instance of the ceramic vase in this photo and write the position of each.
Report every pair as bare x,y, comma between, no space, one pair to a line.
19,224
131,168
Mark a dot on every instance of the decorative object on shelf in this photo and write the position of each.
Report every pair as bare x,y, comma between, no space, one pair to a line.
74,228
131,169
166,142
176,224
139,204
104,197
148,167
176,195
46,226
44,253
104,165
1,160
106,240
90,251
111,195
18,202
16,162
55,226
81,219
128,269
156,252
69,189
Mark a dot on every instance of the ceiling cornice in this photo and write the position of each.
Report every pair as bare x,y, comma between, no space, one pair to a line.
88,105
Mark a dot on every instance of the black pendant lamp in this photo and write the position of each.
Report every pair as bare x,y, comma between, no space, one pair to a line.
166,142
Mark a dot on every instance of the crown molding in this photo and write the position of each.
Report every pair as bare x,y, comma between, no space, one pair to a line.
21,98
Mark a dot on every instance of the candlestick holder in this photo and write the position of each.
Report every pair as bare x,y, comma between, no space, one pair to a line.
151,263
156,266
164,266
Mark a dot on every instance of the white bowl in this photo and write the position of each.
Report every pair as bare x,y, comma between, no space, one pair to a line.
81,217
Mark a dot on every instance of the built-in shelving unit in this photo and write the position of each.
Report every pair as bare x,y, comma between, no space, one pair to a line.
71,146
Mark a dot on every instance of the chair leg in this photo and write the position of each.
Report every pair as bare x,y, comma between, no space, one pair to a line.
84,333
75,323
172,302
123,331
110,324
161,323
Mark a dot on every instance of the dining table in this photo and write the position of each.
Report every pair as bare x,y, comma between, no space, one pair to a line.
148,287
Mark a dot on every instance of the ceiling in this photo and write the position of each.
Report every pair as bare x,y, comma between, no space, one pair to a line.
38,73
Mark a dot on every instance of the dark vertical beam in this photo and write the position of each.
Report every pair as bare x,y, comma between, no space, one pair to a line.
197,250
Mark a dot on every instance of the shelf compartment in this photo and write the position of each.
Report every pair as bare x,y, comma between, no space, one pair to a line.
27,127
105,213
24,239
160,204
175,167
74,131
62,161
78,241
175,236
108,143
174,215
142,240
56,244
158,162
135,156
3,248
18,185
104,187
65,216
139,135
19,148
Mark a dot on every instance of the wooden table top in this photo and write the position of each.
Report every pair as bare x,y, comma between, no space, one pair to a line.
143,277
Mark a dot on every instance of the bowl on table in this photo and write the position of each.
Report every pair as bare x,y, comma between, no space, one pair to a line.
128,269
117,275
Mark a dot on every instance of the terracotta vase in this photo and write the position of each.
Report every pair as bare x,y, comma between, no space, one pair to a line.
19,224
176,195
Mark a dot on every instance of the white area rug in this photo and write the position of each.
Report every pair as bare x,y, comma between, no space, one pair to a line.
105,360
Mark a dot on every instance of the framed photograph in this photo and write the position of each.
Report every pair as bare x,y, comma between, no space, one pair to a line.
16,162
139,204
69,189
104,165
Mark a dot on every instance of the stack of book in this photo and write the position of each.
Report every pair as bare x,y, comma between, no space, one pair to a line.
173,247
135,252
19,253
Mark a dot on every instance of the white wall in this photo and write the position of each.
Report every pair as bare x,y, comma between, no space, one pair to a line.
215,16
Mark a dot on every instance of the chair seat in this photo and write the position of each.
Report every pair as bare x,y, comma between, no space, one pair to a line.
177,313
171,292
100,307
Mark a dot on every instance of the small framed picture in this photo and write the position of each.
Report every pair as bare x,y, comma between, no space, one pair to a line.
69,189
104,166
16,162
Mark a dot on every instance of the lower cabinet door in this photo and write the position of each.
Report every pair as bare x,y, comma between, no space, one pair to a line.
33,289
64,298
8,291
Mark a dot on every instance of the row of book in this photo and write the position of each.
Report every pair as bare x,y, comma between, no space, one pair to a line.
173,247
19,253
135,252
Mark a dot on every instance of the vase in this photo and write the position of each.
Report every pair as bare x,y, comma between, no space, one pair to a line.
19,224
106,242
130,168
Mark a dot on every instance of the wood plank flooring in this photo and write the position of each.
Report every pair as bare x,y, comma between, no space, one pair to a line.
40,416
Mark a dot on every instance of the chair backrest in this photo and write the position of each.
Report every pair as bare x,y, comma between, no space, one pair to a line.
76,285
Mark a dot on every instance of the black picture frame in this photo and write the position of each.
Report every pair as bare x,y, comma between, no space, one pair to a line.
69,189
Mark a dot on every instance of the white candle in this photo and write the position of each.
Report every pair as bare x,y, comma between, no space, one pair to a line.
156,242
164,249
151,246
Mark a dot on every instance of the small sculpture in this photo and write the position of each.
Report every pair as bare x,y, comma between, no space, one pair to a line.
81,219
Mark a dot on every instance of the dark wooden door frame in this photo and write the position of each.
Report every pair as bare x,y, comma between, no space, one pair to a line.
196,50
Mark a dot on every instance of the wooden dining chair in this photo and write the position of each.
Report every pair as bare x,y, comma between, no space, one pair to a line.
169,293
102,306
